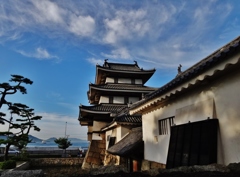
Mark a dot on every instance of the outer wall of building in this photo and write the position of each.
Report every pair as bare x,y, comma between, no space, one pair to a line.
216,99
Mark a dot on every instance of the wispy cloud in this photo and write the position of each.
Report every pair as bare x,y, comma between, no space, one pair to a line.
125,25
39,53
82,25
54,124
123,31
121,53
95,61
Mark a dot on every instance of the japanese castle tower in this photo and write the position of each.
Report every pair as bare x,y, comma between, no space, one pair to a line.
116,87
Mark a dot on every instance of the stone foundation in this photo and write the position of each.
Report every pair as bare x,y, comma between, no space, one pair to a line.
95,155
41,162
110,159
149,165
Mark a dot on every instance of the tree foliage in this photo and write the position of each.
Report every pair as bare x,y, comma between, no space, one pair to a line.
63,143
22,118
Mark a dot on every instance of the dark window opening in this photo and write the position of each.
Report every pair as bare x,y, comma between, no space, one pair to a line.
111,141
132,81
126,100
110,99
164,125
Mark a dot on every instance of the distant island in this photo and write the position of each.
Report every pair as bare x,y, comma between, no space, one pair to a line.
38,140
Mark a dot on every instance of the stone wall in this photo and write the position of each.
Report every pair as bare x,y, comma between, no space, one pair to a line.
95,155
41,162
110,159
149,165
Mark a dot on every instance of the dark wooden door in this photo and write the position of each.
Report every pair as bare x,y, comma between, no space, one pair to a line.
193,144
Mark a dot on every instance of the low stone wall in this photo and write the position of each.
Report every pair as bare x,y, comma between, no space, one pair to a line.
149,165
41,162
23,166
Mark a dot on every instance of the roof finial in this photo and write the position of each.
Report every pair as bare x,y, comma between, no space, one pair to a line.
179,69
135,62
105,62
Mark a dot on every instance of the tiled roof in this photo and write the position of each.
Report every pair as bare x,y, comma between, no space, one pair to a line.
129,145
124,117
105,108
123,67
123,87
127,67
205,64
129,118
121,70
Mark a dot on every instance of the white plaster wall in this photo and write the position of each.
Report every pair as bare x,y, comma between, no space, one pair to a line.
95,136
118,134
220,99
138,81
118,100
124,80
90,128
155,150
124,131
107,133
97,125
133,99
104,99
109,80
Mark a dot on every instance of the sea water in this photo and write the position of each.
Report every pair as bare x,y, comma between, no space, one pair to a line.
79,144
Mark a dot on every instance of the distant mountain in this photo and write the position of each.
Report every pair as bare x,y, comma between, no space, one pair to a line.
75,139
71,139
37,140
33,138
50,139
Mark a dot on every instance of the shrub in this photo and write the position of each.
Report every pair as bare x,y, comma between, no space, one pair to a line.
1,158
8,164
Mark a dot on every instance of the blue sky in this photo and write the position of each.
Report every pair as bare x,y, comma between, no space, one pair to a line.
57,44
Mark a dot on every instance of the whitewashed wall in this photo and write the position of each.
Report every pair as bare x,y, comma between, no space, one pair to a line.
104,99
109,80
133,99
118,100
219,99
138,81
97,125
124,80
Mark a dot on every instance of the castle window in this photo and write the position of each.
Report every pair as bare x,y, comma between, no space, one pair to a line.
111,141
164,125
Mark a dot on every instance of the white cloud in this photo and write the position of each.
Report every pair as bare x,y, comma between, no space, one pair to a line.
82,25
47,11
157,31
125,25
121,53
39,53
95,61
53,124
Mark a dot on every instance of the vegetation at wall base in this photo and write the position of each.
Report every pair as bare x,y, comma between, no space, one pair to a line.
9,164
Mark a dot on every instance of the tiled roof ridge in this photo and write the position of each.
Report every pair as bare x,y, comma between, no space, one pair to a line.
122,84
192,71
107,65
216,54
103,104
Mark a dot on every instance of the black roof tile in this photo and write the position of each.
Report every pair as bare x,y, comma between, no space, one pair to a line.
109,108
206,63
124,87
